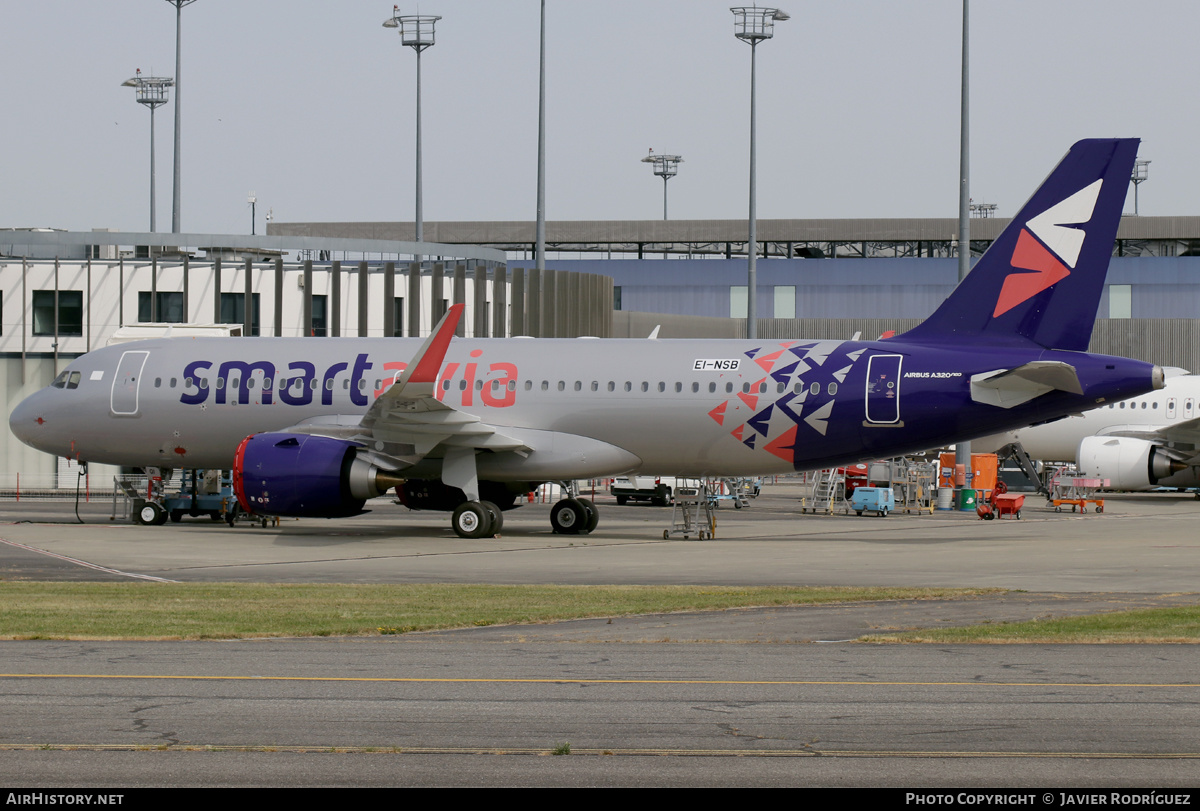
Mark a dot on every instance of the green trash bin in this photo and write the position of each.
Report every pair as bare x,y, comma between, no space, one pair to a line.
966,499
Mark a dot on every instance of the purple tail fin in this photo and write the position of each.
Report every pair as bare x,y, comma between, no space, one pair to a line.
1041,280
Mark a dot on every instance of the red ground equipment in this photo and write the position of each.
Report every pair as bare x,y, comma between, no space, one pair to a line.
1001,503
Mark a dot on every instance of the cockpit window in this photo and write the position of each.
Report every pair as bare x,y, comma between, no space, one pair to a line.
66,380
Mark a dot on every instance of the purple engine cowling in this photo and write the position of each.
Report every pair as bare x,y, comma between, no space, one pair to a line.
302,475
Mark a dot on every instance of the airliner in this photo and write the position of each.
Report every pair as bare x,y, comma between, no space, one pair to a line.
1139,444
316,427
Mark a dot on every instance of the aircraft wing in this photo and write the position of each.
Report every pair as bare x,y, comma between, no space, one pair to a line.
407,421
1006,388
1187,433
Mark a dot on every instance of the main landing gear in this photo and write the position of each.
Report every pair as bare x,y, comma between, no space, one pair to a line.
483,519
574,516
477,519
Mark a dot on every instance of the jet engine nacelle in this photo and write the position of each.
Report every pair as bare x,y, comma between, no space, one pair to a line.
1130,464
304,475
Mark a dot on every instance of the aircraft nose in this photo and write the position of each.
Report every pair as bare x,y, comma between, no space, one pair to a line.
27,422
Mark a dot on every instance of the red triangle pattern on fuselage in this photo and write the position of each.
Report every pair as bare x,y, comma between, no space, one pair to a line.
1020,287
718,413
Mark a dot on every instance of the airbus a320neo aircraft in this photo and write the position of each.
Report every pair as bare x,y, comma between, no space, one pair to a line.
314,427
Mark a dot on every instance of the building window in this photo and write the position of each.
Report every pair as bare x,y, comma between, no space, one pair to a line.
616,297
737,301
70,312
397,318
319,326
170,308
1120,301
785,301
233,310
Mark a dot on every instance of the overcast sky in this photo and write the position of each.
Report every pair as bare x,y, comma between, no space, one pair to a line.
309,103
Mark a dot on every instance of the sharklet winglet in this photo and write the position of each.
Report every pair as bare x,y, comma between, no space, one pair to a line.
428,360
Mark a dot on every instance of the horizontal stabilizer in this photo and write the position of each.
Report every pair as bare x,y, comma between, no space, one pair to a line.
1005,388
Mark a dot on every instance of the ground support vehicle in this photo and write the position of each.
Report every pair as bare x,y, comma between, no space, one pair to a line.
879,500
655,489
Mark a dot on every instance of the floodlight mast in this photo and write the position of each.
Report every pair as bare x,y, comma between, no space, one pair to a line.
1141,171
417,31
179,4
151,92
752,25
666,167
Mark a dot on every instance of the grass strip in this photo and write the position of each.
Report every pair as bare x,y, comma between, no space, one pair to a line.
36,610
1148,625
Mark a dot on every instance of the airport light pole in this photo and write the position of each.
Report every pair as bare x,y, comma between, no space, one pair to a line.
1141,169
179,4
666,167
962,450
540,232
253,201
752,25
152,92
417,31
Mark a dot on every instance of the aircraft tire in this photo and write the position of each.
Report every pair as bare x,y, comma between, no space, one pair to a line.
176,516
568,517
496,517
470,520
151,514
593,515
